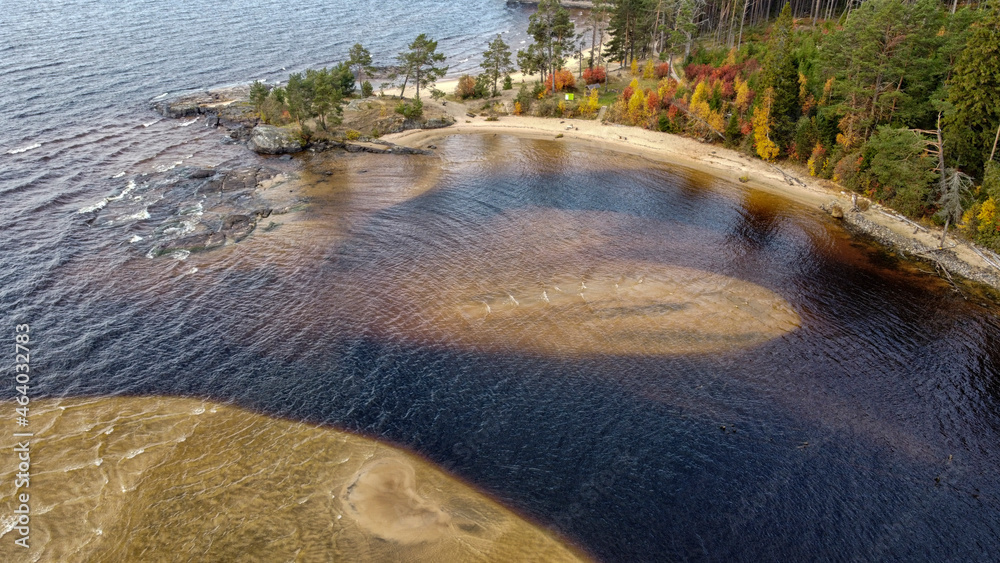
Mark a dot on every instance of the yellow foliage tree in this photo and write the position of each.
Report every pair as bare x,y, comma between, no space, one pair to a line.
987,216
766,148
517,108
634,67
634,85
667,88
716,120
742,95
591,104
699,101
731,56
700,93
827,90
648,72
637,108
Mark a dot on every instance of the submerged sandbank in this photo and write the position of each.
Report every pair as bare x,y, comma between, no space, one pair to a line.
882,224
158,478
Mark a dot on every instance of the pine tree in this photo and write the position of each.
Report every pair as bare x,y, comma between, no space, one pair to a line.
496,61
780,73
360,61
631,28
974,95
419,63
553,33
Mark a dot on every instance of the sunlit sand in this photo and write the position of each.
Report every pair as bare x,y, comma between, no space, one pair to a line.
165,479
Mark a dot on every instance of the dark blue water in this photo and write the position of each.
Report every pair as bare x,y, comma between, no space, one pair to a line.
868,433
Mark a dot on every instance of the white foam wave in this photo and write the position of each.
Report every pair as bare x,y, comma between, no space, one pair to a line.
96,207
165,167
119,175
128,189
144,214
100,204
134,239
163,95
184,228
180,254
186,123
19,150
151,122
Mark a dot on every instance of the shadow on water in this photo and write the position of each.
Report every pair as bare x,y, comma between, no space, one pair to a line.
866,431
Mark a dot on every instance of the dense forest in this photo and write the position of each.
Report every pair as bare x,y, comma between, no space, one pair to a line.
898,100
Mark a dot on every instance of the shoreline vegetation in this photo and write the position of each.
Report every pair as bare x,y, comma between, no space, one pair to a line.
786,107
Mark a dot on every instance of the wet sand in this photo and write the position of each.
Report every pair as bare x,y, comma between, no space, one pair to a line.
171,479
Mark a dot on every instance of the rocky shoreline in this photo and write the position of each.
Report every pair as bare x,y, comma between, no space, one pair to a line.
188,210
910,247
230,108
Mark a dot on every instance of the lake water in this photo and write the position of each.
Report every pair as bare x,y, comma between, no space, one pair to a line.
649,362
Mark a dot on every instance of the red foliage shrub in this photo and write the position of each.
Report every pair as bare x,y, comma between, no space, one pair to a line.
727,73
653,101
627,93
564,80
745,127
667,91
728,90
697,73
662,70
595,75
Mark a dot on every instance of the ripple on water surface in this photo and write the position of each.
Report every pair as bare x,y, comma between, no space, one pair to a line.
203,481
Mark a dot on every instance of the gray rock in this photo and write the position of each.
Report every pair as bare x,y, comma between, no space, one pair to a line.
202,173
176,109
238,227
268,139
194,243
438,123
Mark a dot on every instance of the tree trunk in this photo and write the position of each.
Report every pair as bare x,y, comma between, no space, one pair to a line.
995,139
739,42
942,181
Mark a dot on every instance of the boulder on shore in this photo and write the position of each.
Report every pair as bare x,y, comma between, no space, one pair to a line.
268,139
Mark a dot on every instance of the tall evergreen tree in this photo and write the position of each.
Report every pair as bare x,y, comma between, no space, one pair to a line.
420,63
631,27
553,33
974,95
876,59
780,72
496,61
360,61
